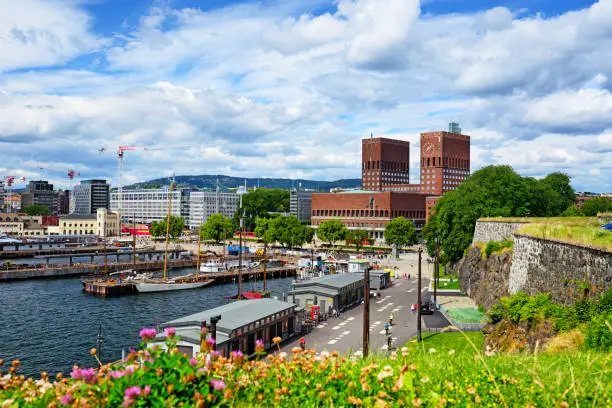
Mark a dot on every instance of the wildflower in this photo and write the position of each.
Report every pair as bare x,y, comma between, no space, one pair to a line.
259,346
193,361
217,384
170,332
93,351
451,352
129,369
148,334
471,390
387,371
146,390
404,351
324,354
117,374
432,350
237,355
204,330
282,356
67,399
133,392
215,354
425,379
393,355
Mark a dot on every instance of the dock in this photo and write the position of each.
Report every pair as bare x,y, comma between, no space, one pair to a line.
103,287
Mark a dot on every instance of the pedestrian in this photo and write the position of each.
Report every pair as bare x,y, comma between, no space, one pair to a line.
408,276
334,313
387,328
391,319
389,340
303,343
413,308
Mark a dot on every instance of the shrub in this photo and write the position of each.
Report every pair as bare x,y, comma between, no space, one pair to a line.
599,333
571,341
498,246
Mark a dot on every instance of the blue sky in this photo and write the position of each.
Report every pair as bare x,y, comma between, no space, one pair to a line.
288,88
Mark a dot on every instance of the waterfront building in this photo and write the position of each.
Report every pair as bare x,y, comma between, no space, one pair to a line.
330,292
26,225
148,205
40,192
379,278
89,196
368,210
300,204
384,162
241,324
103,224
203,204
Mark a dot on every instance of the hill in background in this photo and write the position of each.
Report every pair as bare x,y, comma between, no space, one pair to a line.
225,182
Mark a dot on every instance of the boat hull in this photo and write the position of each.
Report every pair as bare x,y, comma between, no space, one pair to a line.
150,287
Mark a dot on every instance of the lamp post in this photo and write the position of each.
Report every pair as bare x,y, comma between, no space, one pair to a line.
366,311
419,298
213,329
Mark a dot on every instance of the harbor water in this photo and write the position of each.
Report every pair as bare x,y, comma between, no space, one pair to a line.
50,325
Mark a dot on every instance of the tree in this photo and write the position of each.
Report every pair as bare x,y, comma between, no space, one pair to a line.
573,211
288,231
262,230
261,202
400,232
332,231
493,191
177,224
356,237
217,228
595,205
37,209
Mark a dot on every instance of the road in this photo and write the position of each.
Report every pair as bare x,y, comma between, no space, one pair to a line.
345,333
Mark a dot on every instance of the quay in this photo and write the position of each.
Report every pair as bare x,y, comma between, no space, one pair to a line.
88,269
150,255
101,286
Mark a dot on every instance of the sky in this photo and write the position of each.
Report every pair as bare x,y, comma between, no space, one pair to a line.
288,88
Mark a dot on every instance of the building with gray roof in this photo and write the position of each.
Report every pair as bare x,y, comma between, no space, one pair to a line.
242,323
338,291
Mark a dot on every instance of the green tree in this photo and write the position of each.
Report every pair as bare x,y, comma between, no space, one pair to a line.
261,202
332,231
595,205
493,191
262,230
177,224
288,231
217,228
401,232
37,209
356,237
573,211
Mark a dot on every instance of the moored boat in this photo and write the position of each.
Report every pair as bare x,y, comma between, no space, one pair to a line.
150,286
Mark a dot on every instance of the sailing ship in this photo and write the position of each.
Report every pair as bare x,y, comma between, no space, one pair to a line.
179,283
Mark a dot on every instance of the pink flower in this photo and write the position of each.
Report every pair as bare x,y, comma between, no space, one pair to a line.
193,361
170,332
210,341
148,334
132,392
117,374
89,375
147,390
67,399
203,330
215,354
76,373
129,369
217,384
259,343
236,355
202,370
127,402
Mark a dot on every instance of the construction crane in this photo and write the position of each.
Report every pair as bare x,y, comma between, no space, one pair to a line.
10,180
120,154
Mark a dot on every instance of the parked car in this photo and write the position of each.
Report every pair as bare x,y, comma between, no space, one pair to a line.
427,308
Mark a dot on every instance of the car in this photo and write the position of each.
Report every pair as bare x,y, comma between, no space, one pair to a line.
427,308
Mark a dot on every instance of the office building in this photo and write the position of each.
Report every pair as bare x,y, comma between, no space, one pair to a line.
300,204
103,223
40,192
88,196
148,205
63,202
384,162
203,204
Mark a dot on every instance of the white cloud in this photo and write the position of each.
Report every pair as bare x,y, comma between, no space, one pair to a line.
43,33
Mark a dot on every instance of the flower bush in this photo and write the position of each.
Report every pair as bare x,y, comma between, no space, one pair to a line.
418,375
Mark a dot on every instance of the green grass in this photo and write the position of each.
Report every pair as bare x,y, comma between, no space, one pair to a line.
537,220
444,342
589,234
449,285
467,315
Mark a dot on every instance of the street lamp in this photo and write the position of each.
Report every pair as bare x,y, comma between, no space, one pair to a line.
419,299
366,311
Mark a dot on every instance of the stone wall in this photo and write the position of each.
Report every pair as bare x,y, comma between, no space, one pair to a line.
486,231
566,271
484,281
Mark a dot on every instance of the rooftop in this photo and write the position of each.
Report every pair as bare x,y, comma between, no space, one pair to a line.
235,314
335,281
80,217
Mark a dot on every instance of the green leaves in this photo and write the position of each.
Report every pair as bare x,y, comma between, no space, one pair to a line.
217,228
401,232
356,237
288,231
260,203
332,231
177,224
37,209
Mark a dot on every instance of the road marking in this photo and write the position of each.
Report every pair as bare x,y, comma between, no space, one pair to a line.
424,290
410,290
346,332
381,332
332,342
335,327
342,324
351,318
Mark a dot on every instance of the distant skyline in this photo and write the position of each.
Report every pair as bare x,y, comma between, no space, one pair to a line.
287,89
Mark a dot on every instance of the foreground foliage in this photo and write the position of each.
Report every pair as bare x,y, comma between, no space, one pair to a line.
444,370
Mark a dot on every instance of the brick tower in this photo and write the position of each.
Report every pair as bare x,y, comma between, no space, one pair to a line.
384,162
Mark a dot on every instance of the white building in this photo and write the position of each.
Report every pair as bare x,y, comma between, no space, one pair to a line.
148,205
203,204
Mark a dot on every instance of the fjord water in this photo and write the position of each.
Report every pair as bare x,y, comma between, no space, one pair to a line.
50,325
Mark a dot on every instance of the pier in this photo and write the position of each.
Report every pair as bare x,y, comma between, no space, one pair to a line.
102,287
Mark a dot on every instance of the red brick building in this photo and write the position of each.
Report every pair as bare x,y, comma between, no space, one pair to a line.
444,164
368,210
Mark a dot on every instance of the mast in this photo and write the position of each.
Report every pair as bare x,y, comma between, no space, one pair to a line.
198,254
134,240
168,228
265,259
240,248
